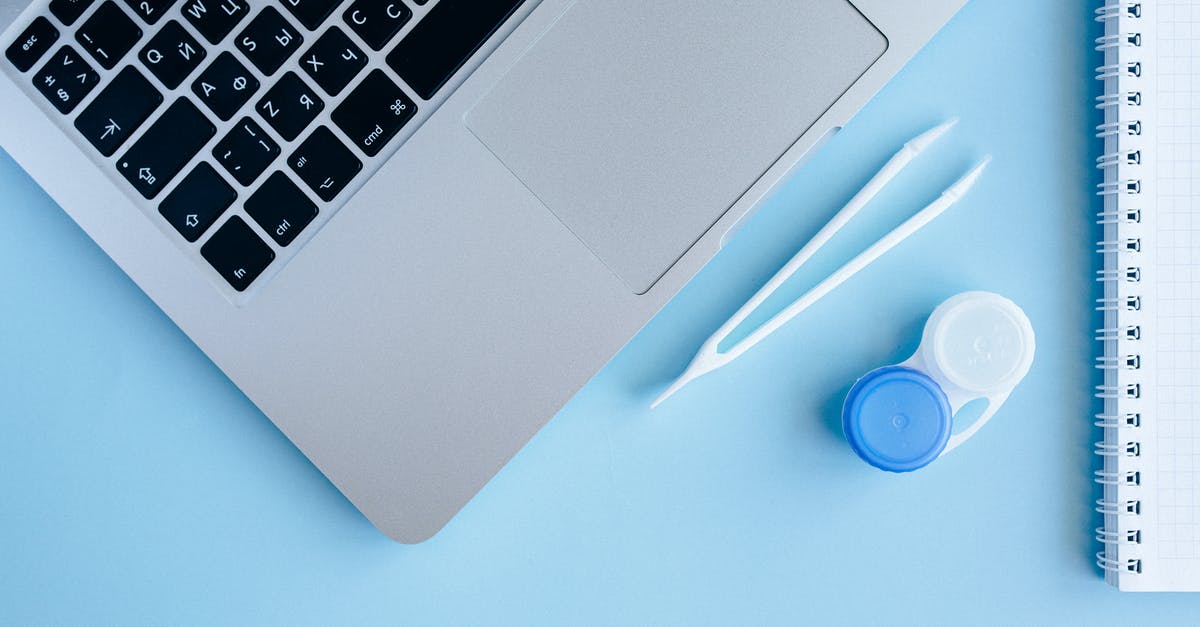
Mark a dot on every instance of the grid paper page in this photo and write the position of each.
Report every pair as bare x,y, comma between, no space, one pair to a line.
1173,553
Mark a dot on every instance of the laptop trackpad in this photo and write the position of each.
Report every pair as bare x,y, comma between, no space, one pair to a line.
640,123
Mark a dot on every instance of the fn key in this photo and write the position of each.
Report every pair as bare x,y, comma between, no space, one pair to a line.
237,253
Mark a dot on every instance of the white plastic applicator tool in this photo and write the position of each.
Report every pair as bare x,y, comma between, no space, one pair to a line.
708,358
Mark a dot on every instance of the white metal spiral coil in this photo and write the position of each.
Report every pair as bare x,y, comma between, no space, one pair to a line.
1120,248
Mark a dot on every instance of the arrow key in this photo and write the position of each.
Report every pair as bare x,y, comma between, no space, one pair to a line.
118,110
199,199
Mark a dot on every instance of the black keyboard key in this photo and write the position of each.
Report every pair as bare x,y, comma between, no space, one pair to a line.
237,254
444,40
311,12
324,164
280,208
333,61
150,10
32,43
108,34
374,112
119,109
246,151
162,151
225,85
172,54
66,79
67,11
215,19
377,21
268,41
290,106
199,199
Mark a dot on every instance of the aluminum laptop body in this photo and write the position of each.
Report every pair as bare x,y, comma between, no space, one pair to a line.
412,278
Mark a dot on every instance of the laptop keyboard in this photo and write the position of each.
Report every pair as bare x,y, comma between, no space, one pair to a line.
241,128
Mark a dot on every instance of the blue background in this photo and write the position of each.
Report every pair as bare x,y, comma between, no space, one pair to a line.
137,485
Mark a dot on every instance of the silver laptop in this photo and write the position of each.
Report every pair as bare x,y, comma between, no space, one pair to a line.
410,230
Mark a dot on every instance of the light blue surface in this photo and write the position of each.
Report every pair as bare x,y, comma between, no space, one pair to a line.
137,485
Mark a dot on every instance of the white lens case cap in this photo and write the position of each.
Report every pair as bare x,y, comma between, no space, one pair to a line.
976,345
980,342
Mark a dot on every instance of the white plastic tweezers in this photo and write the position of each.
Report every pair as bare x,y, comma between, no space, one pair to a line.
708,358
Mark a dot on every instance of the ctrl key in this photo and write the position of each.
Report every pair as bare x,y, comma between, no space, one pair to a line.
281,209
237,253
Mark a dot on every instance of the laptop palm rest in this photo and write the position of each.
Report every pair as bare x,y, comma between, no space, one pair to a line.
639,124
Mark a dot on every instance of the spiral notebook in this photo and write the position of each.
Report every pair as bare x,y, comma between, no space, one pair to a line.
1151,303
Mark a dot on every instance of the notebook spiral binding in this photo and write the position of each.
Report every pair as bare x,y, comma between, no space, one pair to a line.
1121,304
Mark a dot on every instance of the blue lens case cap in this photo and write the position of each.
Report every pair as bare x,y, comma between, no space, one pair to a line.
897,419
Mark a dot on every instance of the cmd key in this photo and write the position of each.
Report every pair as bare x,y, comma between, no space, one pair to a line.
162,151
374,112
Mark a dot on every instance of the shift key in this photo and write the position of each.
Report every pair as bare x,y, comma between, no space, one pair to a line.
168,145
374,112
